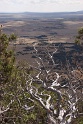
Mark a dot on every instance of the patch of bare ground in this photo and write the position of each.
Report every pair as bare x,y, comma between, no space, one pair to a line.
14,24
25,41
73,22
50,40
58,40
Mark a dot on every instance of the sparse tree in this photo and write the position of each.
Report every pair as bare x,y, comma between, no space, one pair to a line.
79,37
59,100
45,96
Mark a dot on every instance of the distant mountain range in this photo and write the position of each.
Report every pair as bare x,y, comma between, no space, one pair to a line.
47,15
52,14
77,12
80,12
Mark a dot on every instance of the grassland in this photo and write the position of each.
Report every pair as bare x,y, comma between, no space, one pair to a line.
41,28
51,27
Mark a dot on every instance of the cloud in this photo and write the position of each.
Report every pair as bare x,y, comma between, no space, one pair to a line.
13,1
30,1
56,1
41,1
40,5
70,1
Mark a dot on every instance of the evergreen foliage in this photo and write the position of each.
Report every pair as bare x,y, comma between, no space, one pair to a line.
17,104
79,37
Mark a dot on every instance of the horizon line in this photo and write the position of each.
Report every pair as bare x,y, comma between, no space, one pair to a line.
44,12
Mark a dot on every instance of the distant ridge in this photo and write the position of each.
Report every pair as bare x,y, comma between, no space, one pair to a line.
41,14
51,14
80,12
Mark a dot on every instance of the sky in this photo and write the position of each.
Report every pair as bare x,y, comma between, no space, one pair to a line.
40,5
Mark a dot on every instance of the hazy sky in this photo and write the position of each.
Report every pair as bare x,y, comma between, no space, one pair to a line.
40,5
